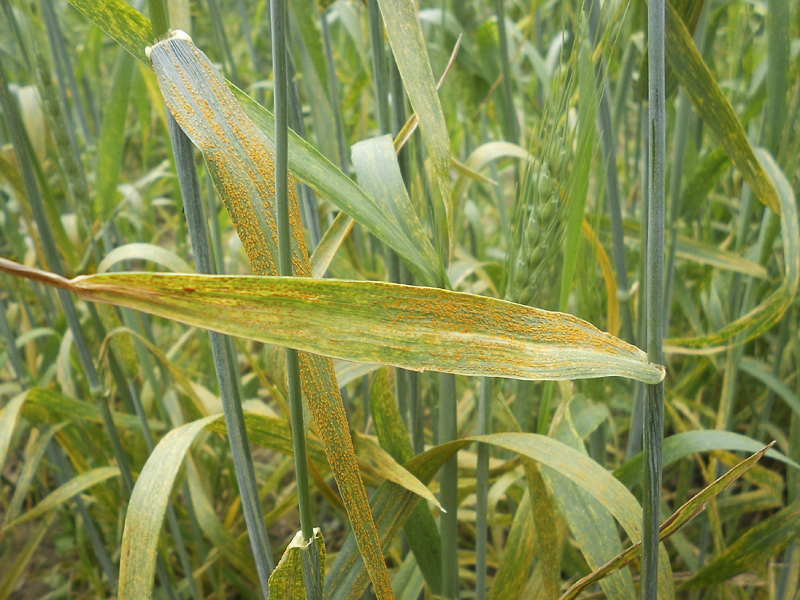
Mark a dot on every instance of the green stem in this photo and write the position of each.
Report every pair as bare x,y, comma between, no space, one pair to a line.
224,361
333,81
609,149
448,481
279,69
379,67
482,491
654,396
159,18
512,124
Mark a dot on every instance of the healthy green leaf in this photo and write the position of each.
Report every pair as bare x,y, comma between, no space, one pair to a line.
685,444
112,136
378,171
329,244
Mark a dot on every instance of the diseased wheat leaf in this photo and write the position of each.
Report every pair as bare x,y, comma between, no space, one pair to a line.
365,321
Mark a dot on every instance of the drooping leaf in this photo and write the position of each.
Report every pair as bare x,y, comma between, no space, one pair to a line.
146,510
755,546
155,484
591,524
409,327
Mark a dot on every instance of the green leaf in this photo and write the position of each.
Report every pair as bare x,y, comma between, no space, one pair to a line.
111,144
701,253
763,373
45,405
146,510
307,39
63,493
685,444
138,251
478,159
590,523
679,518
420,529
329,244
287,581
372,458
714,108
408,46
579,180
38,441
519,550
545,516
767,314
392,505
378,171
759,543
213,528
9,418
363,321
704,180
